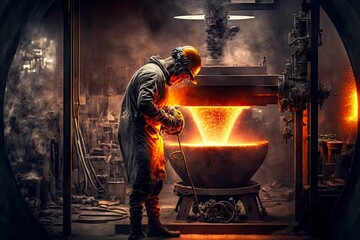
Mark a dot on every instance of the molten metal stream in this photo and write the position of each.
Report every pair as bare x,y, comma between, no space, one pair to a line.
215,123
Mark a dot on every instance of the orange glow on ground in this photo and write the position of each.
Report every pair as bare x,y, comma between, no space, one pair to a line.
248,144
351,105
215,123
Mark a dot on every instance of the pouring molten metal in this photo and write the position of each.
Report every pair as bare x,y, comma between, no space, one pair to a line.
214,162
215,123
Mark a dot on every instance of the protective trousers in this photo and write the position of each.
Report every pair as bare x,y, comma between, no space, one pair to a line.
148,194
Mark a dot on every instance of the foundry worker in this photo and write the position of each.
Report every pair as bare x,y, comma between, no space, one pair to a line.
143,118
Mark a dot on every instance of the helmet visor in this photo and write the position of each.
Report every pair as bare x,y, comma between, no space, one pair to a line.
192,77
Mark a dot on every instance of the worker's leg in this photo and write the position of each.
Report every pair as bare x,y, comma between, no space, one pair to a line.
139,194
155,228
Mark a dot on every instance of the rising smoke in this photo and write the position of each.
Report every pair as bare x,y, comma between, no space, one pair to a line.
32,110
125,31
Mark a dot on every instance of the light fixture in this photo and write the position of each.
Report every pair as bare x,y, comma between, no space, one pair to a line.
202,17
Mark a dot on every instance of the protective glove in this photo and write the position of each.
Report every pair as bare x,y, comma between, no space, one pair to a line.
177,122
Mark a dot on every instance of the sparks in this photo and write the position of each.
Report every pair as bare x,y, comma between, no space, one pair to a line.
215,123
351,106
354,108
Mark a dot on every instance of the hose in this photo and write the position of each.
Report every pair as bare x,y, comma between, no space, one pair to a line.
189,176
225,205
110,215
82,161
80,151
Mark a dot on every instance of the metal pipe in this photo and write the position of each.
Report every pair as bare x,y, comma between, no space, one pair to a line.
298,155
81,151
67,118
78,62
315,22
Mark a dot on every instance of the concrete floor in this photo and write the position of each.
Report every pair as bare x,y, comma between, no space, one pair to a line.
278,204
201,237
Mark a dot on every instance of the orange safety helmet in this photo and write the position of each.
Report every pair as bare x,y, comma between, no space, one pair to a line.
190,58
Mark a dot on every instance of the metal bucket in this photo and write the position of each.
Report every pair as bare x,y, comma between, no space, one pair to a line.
117,189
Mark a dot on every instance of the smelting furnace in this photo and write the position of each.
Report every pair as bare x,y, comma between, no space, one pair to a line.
217,172
221,169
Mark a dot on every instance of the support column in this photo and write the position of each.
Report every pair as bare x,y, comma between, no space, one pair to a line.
298,155
67,118
315,22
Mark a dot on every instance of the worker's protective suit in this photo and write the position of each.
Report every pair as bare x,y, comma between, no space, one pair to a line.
141,120
143,117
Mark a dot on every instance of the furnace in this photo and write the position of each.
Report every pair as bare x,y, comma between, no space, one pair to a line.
221,169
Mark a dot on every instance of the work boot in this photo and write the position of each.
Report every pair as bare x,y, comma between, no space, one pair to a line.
136,236
136,232
137,198
156,229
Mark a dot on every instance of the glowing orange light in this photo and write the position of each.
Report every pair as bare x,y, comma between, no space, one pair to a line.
215,123
248,144
351,106
354,107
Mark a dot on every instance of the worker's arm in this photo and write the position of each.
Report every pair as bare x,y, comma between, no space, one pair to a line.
175,112
148,90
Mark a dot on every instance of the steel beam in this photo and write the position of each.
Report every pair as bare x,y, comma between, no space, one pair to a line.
67,118
315,22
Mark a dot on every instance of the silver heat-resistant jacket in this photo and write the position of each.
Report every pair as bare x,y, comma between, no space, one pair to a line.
141,118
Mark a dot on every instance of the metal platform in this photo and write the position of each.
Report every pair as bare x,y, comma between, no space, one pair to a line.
248,195
271,224
215,228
